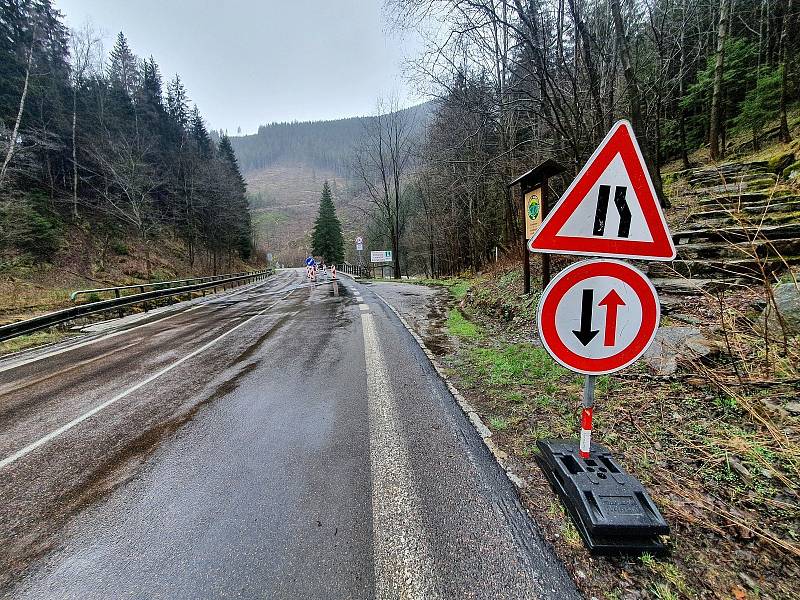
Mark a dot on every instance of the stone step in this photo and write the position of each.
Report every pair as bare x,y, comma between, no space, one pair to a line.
728,270
681,286
779,211
736,234
727,169
740,220
764,182
745,198
739,250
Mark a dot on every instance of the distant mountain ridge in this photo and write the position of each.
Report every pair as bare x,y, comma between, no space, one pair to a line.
324,144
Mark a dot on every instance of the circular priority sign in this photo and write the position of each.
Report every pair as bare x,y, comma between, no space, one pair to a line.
598,316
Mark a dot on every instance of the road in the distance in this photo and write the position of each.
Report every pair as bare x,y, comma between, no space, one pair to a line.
284,441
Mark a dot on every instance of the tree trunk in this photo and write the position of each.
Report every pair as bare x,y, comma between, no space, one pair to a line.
591,72
13,141
74,153
147,263
681,83
716,95
784,134
635,101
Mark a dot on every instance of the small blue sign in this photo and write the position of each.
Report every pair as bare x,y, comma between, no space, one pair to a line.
310,261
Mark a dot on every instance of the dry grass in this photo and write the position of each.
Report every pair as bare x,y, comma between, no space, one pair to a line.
713,443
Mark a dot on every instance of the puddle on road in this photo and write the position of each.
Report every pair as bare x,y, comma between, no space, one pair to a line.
337,290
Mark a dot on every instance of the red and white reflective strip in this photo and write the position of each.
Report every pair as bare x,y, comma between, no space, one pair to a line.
586,431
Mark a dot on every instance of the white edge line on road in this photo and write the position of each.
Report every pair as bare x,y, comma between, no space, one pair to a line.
206,301
468,410
402,563
78,420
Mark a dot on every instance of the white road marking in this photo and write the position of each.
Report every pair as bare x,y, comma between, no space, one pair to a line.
205,302
363,307
402,561
357,293
78,420
359,300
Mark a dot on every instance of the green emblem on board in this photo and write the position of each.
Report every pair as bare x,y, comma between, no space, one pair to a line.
533,209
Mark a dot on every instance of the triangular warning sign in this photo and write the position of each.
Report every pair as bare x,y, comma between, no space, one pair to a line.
610,209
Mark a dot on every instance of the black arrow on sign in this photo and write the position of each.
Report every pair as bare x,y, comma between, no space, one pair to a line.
623,209
586,333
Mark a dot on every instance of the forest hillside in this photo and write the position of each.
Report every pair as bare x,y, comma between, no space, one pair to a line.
320,144
109,174
285,166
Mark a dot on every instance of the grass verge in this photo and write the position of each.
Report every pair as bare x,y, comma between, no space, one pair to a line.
716,453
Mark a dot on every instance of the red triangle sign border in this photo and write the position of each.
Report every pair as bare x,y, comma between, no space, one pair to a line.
619,140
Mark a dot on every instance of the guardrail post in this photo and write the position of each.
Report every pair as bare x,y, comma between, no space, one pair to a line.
144,304
120,312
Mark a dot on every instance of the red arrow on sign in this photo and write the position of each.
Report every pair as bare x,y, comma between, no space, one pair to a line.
612,302
568,301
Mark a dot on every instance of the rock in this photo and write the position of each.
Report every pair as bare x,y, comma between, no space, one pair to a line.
736,466
792,171
681,285
779,162
673,343
787,301
793,407
748,581
688,319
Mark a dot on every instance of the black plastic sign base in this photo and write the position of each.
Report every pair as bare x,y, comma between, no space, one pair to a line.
611,509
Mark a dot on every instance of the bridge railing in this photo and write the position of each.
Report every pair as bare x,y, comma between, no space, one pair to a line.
89,308
352,270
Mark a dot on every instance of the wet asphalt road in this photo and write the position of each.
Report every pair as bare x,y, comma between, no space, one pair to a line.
279,441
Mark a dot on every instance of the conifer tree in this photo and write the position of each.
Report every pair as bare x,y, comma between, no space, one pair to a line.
123,71
178,102
200,134
327,240
228,156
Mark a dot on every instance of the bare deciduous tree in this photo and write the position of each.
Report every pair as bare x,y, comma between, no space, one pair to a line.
382,163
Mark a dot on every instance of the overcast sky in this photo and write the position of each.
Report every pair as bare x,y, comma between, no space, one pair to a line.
249,62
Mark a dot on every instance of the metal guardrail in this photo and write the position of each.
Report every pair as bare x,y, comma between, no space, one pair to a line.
61,316
155,285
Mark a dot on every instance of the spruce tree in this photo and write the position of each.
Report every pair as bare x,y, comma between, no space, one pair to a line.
178,102
237,198
327,240
200,134
123,69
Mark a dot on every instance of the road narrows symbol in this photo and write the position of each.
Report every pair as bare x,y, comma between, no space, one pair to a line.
580,222
625,216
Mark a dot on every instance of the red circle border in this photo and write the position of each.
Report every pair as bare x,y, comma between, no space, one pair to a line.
569,278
